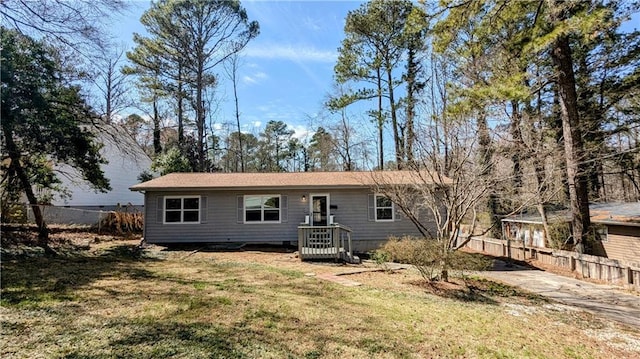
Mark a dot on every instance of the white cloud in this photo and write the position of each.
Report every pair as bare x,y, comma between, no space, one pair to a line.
249,80
254,78
257,124
312,24
301,132
289,52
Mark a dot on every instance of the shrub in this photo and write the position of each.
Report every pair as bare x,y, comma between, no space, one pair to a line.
381,258
559,235
14,213
422,253
431,258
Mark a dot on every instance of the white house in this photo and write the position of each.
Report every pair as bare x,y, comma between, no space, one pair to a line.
81,204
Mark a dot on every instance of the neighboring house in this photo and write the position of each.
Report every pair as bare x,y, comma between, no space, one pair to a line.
619,229
528,228
317,209
126,160
617,226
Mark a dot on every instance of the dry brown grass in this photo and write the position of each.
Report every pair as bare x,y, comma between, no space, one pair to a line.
116,300
122,223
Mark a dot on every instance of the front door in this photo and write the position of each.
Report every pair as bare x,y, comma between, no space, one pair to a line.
319,209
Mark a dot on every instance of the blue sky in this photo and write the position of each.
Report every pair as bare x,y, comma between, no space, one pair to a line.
287,71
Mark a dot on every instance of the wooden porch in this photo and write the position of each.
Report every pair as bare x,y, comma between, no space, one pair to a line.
326,242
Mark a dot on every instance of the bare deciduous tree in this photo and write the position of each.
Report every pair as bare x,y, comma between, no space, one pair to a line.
447,191
75,24
112,85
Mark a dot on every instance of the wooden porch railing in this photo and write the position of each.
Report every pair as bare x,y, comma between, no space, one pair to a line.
325,242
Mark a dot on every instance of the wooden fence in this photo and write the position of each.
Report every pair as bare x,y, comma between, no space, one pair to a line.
587,266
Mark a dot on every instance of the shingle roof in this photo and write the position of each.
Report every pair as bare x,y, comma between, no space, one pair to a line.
219,181
615,212
606,213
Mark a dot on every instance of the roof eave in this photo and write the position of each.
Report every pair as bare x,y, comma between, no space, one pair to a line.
245,188
616,223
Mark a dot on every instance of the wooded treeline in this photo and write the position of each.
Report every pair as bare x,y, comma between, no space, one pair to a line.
540,98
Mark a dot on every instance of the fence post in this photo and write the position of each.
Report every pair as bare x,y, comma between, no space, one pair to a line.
300,242
335,240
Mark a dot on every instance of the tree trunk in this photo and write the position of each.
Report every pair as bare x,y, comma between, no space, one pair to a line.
572,136
412,68
518,145
555,123
157,146
397,138
545,223
180,109
15,156
380,121
345,153
486,160
235,97
109,91
444,274
200,118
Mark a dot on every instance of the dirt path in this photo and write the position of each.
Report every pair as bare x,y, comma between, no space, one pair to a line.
599,299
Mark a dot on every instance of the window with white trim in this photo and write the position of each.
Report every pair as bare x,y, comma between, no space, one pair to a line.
384,208
262,208
178,209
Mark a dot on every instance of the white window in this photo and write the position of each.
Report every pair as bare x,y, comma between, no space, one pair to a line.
262,208
182,209
384,208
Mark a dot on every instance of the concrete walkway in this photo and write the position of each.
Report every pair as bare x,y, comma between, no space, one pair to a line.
602,300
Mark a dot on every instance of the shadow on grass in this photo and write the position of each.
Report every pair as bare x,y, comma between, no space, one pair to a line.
496,263
160,340
478,290
36,281
455,290
254,332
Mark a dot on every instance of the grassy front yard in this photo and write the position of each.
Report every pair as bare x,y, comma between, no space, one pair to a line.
119,302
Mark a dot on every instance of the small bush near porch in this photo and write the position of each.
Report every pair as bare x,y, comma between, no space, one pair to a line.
431,257
116,300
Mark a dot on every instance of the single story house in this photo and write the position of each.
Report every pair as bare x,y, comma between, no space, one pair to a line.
617,226
315,209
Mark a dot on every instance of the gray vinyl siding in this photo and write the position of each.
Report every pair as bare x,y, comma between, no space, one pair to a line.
220,222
